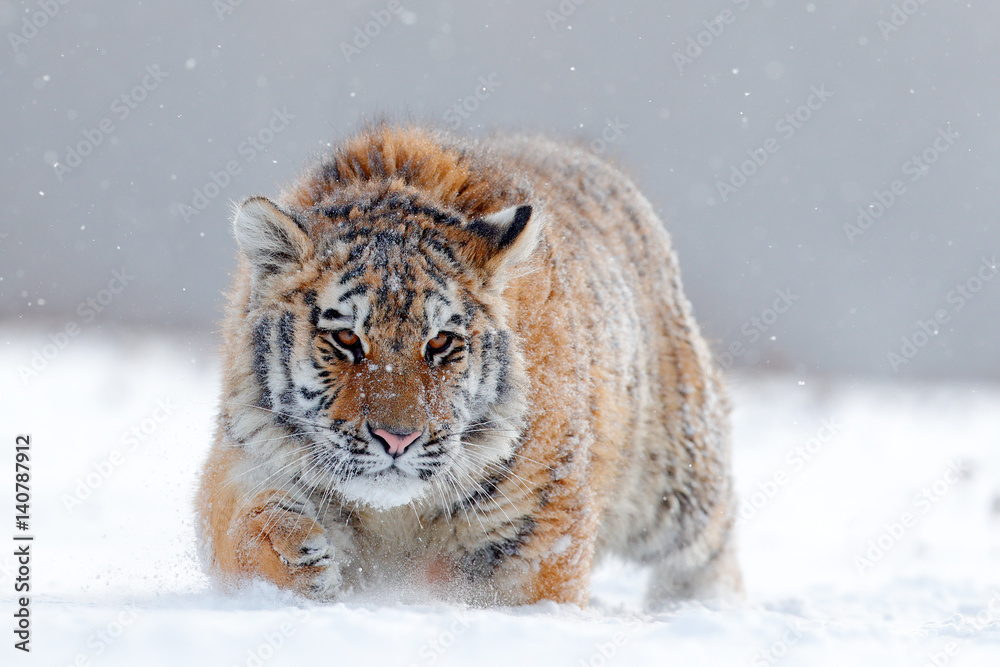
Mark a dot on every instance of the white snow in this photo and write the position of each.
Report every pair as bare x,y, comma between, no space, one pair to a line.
121,427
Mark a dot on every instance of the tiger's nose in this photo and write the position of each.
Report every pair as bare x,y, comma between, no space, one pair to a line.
395,443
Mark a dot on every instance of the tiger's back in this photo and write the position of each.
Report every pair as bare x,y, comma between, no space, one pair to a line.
573,412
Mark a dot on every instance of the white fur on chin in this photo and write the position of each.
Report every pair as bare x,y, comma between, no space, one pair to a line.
383,491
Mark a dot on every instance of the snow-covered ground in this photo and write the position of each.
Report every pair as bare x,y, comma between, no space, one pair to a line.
870,536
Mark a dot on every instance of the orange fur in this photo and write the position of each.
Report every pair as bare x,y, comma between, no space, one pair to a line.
616,438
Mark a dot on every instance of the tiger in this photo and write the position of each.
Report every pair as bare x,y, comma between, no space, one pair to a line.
464,366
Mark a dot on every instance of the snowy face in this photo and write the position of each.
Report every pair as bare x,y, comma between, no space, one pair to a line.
393,379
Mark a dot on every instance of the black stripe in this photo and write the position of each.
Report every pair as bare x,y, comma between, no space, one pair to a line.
439,217
261,349
355,233
356,253
286,342
487,346
385,239
408,303
432,269
286,345
428,293
357,289
309,394
443,249
299,221
353,273
331,171
503,364
471,308
327,349
485,560
451,360
336,212
487,489
407,205
451,356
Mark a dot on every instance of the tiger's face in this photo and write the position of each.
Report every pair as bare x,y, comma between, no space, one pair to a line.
380,345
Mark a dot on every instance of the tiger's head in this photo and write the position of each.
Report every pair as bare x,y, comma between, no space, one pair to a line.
379,346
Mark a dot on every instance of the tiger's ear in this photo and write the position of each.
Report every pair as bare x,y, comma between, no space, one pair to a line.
502,240
269,238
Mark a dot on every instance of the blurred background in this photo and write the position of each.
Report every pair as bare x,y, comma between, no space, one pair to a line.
828,170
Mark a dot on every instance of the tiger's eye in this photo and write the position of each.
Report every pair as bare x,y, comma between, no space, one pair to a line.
347,338
439,342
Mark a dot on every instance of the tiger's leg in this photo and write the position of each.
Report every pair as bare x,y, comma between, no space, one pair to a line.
267,534
547,557
564,574
685,576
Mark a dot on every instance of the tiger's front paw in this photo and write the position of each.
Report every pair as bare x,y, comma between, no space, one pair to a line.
291,549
